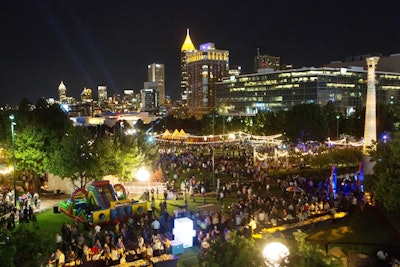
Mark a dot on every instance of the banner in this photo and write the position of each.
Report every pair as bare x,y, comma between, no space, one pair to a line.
333,181
360,176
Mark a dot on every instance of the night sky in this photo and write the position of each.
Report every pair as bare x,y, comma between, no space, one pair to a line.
87,43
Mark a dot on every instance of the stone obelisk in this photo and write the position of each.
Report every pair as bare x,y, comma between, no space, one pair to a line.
370,115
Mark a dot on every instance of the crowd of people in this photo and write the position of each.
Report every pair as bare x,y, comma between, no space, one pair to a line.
141,237
24,212
255,207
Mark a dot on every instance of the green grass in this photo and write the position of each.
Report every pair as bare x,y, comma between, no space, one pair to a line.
361,232
189,258
50,223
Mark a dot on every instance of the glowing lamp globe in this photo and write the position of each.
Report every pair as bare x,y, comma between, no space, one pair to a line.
142,175
275,253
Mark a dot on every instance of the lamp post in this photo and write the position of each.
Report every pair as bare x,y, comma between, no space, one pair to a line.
337,126
213,155
13,157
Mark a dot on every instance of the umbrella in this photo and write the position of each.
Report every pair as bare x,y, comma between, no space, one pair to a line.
294,189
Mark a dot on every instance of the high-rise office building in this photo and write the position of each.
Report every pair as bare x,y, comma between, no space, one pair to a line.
156,73
102,94
86,95
187,47
266,62
62,93
346,88
204,68
150,97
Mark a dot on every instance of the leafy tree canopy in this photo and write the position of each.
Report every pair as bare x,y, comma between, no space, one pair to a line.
306,122
235,252
386,181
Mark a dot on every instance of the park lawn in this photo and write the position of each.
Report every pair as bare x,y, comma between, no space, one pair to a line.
50,223
365,232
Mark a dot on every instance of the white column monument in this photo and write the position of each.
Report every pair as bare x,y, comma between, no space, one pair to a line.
370,115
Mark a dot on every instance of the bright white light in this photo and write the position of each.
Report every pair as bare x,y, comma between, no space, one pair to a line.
183,231
130,132
6,170
274,253
143,175
231,136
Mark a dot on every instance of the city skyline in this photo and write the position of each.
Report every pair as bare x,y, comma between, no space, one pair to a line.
111,43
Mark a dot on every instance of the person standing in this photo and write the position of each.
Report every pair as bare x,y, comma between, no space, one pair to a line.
155,225
61,258
191,193
34,220
153,206
203,193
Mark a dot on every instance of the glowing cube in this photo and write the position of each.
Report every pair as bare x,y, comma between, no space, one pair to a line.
184,232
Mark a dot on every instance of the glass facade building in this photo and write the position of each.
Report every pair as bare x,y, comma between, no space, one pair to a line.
205,67
274,90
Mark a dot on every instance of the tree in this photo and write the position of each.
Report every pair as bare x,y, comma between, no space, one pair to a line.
134,152
30,254
77,158
385,118
7,251
330,113
129,158
306,122
309,255
386,182
235,252
30,155
268,123
52,120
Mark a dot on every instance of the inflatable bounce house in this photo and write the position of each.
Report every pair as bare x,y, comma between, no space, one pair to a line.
101,203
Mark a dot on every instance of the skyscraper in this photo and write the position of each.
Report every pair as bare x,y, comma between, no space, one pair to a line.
102,94
187,47
156,73
149,97
204,68
266,62
86,95
62,93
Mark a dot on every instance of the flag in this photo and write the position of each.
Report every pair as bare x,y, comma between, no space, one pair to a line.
360,176
333,181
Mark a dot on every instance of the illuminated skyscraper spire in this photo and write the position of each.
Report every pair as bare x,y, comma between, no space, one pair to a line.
187,47
187,44
62,92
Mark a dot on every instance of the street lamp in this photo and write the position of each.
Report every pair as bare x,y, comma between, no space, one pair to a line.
13,157
143,175
213,155
337,126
